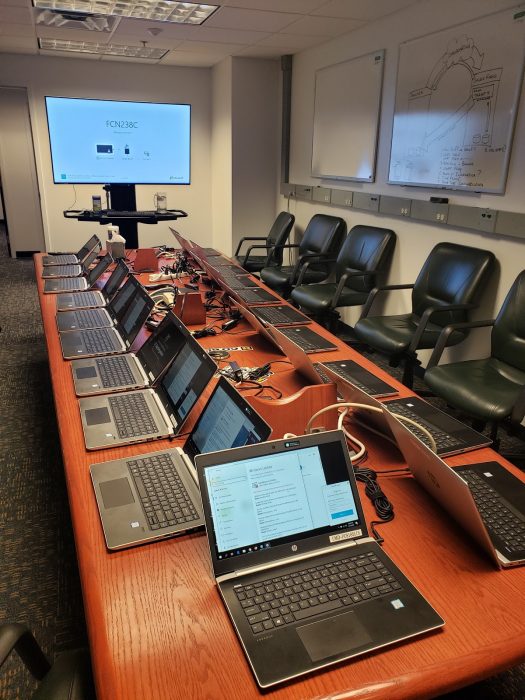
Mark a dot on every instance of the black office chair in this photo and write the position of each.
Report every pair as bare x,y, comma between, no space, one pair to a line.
321,241
69,678
272,245
364,256
492,389
446,289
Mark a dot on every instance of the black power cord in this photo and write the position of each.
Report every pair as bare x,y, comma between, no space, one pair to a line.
383,507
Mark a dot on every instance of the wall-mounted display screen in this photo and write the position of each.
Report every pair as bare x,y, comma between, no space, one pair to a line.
102,141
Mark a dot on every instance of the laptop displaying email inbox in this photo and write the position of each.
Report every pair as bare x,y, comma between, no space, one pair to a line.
484,498
304,584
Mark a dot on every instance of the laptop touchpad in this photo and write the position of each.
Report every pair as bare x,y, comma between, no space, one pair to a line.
86,372
116,492
96,416
337,635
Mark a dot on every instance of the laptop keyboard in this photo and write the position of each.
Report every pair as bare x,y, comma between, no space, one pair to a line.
285,600
84,299
115,371
90,318
444,441
277,315
307,341
65,259
61,270
67,283
498,519
341,372
99,340
132,416
163,496
253,297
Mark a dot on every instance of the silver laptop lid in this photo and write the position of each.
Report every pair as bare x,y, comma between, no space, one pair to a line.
265,503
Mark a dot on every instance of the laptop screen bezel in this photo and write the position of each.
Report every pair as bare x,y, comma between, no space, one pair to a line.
303,544
139,293
143,354
121,268
88,247
262,428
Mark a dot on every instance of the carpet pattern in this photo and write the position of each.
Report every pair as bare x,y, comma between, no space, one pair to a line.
40,584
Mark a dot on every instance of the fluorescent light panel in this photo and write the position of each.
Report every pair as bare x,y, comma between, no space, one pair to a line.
104,49
156,10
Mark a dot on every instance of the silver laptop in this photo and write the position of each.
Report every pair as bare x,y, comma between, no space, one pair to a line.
57,285
103,375
70,270
148,414
485,499
304,584
450,435
110,341
93,298
125,488
72,258
101,317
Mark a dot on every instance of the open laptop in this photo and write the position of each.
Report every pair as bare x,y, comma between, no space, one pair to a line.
148,414
110,341
103,375
56,285
126,489
450,435
100,317
348,370
93,298
252,296
484,498
281,315
304,584
79,270
72,258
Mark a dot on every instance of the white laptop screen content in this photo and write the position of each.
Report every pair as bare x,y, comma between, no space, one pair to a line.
269,500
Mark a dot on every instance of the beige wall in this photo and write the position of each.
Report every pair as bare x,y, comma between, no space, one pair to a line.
415,239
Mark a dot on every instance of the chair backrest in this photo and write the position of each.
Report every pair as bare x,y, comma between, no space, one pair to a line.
323,234
366,249
452,274
278,235
508,334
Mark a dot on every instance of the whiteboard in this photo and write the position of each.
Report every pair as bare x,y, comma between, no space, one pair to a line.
346,118
456,102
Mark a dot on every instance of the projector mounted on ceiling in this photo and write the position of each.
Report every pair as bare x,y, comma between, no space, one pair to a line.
75,20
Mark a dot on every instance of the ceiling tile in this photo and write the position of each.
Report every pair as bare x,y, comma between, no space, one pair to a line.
361,9
322,26
139,28
229,36
262,52
208,47
15,15
18,44
21,30
72,34
124,59
291,42
231,18
302,7
15,3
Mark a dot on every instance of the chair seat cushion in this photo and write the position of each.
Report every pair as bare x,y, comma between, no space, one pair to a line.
279,277
317,297
70,678
486,389
393,334
255,263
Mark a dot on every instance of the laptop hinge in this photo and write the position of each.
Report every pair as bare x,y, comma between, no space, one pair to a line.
141,369
167,418
293,559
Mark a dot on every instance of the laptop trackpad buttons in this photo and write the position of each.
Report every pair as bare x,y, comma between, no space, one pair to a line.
333,636
96,416
116,492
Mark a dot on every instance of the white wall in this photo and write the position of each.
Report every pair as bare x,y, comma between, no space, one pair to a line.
222,155
415,239
43,75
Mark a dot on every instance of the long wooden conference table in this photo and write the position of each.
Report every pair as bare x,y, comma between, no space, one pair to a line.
157,627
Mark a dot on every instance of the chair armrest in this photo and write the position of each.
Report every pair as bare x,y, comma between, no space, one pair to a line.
303,262
305,265
248,238
342,282
374,292
254,247
425,318
445,334
18,637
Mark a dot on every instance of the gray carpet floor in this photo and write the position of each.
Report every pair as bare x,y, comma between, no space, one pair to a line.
39,583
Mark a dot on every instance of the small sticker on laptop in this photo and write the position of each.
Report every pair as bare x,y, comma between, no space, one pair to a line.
489,475
345,535
109,434
397,604
135,523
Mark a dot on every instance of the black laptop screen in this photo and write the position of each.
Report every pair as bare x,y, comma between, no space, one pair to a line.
227,421
160,348
89,245
116,278
277,498
99,268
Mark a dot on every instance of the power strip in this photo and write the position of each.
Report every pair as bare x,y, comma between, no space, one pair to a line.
236,349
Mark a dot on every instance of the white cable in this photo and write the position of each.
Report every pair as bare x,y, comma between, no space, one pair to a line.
429,435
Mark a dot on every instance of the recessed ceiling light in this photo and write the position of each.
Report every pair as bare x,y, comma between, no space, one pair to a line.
103,49
158,10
